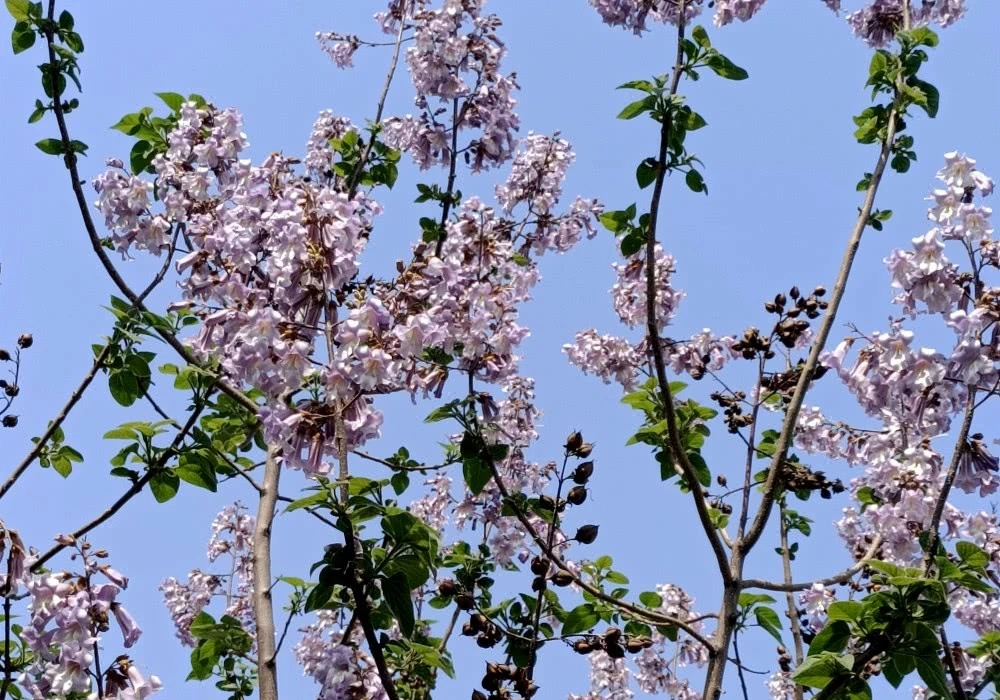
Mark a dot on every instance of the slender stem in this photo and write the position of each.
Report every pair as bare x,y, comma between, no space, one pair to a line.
949,479
949,663
677,449
793,612
540,598
842,577
263,606
739,666
56,422
751,451
8,668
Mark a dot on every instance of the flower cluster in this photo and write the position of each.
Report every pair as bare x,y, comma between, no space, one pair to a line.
339,666
454,63
70,611
232,534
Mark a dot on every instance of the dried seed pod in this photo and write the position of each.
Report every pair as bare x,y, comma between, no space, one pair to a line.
465,601
583,472
479,622
585,450
4,355
577,495
612,634
574,442
447,588
539,566
614,650
9,421
562,578
468,630
583,646
25,340
586,534
538,584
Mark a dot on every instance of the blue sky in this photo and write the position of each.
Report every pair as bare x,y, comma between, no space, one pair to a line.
779,160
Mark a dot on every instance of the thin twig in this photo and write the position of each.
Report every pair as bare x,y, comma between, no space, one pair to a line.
57,421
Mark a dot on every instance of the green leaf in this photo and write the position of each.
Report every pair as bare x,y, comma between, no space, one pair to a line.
124,387
749,599
172,100
932,673
53,147
22,37
643,85
313,499
645,174
833,638
768,619
397,592
695,182
581,618
817,671
651,599
724,68
849,610
19,9
197,471
476,473
972,555
164,485
634,109
701,37
931,97
632,243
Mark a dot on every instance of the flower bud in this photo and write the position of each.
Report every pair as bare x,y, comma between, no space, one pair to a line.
577,495
586,534
25,340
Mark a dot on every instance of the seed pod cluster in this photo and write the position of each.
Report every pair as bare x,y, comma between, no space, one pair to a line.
732,405
486,633
501,679
612,642
799,477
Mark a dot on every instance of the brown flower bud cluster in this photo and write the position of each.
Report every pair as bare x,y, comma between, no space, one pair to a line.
487,634
798,477
784,383
613,642
790,326
502,680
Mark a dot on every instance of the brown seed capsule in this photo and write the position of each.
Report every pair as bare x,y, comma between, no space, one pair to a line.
586,534
577,495
479,695
583,472
468,630
546,502
485,641
4,355
479,622
25,340
9,421
447,588
562,578
636,644
612,634
465,601
585,450
538,584
573,442
490,682
721,480
614,650
539,566
583,646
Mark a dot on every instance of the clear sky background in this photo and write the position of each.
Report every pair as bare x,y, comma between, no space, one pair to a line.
780,163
